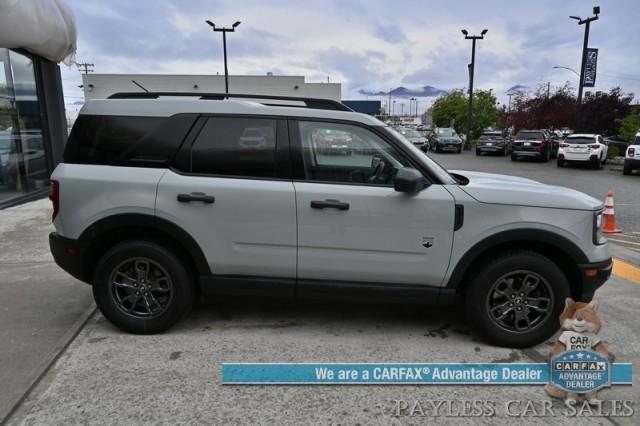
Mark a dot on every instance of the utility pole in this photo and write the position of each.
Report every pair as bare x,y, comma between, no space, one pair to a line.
587,24
390,99
471,69
85,68
224,32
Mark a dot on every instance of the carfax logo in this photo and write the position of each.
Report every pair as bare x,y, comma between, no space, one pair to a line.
580,372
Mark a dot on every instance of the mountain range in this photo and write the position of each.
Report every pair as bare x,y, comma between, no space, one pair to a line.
403,92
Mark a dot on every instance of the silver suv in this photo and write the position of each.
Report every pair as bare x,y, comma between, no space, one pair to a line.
161,198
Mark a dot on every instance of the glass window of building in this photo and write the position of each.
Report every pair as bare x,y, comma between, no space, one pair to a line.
24,166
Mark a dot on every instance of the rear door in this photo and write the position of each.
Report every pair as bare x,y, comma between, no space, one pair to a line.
353,226
230,191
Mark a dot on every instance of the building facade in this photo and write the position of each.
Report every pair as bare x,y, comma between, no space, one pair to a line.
32,125
100,86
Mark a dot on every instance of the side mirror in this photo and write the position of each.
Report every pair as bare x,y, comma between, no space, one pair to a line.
409,180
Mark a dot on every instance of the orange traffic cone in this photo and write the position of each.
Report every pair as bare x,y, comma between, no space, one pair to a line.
609,215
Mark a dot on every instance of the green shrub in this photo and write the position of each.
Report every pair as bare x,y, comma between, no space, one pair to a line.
613,152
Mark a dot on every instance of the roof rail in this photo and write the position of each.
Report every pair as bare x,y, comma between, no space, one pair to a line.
314,103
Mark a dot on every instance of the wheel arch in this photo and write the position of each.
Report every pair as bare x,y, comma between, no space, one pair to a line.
560,250
106,232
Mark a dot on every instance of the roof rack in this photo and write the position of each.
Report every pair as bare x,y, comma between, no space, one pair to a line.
314,103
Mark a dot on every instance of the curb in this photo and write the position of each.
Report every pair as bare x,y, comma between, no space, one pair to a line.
58,349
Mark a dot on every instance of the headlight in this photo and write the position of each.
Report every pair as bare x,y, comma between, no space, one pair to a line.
598,222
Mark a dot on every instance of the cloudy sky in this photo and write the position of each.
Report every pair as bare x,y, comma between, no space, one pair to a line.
371,45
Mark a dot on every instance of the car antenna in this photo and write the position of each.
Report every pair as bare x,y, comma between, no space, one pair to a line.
139,85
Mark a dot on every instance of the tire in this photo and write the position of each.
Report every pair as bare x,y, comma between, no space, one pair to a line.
171,298
490,286
626,170
546,156
459,150
437,148
513,157
503,152
477,152
560,163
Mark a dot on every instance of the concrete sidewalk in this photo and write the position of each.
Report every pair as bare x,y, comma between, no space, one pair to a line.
42,306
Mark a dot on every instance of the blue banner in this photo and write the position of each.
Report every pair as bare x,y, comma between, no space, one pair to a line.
590,67
400,373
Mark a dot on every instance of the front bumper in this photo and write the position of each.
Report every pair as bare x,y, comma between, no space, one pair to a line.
593,275
68,254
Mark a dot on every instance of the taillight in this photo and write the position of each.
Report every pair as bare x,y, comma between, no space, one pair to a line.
632,152
564,145
595,146
54,196
542,142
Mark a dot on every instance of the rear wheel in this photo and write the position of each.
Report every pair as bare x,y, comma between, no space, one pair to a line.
626,170
477,152
560,163
142,287
515,300
513,157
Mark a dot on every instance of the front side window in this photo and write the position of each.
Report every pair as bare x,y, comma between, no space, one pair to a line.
343,153
235,147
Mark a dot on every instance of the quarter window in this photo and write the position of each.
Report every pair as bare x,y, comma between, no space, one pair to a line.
235,147
334,152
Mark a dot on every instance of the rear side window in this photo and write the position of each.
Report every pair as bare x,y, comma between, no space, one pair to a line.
126,140
235,147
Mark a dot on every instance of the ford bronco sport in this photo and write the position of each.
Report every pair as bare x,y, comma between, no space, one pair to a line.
160,198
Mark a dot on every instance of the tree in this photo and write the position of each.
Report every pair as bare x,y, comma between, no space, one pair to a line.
453,109
601,112
544,109
629,126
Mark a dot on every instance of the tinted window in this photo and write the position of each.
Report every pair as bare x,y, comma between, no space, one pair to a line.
126,141
235,147
529,135
334,152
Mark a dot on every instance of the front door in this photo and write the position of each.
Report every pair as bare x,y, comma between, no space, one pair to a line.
352,225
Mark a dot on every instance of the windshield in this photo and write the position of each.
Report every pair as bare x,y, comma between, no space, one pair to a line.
580,141
446,132
410,133
529,136
439,171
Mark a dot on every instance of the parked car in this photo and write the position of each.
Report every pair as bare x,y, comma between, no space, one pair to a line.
170,209
493,142
333,143
632,156
583,148
534,144
446,139
414,137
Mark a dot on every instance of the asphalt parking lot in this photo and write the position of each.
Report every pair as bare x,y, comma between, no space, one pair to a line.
107,376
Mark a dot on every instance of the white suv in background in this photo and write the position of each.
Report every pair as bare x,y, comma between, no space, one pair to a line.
160,198
583,148
632,157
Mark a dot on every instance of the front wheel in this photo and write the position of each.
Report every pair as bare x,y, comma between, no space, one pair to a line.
513,157
142,287
515,299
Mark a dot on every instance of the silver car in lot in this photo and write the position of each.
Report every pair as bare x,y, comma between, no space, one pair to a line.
178,206
415,137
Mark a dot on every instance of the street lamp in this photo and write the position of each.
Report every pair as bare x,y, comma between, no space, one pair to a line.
587,23
224,32
473,39
566,68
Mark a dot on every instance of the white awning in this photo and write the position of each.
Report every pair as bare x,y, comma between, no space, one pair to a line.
44,27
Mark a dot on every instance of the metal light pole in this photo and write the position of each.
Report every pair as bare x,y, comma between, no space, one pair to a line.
224,32
587,23
471,69
566,68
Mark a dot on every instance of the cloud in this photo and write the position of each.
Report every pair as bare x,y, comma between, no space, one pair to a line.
389,32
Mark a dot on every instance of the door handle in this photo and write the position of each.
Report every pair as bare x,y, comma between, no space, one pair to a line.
196,196
329,204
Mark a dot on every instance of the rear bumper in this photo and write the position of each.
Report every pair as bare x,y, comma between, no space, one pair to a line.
522,153
586,158
489,148
68,254
593,275
632,163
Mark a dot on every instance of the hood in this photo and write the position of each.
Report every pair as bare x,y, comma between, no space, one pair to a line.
513,190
